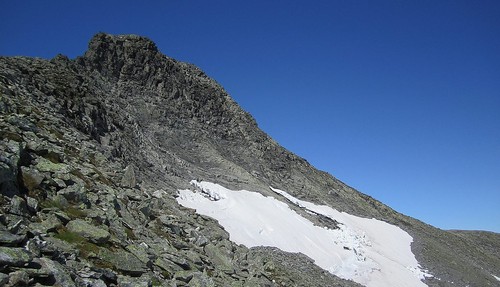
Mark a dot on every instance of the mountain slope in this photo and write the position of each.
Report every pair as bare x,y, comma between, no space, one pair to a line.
133,127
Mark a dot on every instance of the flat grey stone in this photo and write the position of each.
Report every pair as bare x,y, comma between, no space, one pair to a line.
89,231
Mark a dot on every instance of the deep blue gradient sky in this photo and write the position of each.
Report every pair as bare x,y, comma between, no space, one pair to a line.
399,99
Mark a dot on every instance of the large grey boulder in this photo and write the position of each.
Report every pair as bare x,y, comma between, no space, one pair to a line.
31,177
89,231
128,179
57,271
9,239
18,206
125,262
14,256
220,257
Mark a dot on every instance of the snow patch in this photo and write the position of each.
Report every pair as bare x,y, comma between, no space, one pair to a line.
498,278
368,251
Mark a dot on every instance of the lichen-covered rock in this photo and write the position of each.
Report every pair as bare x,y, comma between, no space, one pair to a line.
125,262
14,256
89,231
45,165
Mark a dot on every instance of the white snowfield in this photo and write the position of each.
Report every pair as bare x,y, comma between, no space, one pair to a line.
368,251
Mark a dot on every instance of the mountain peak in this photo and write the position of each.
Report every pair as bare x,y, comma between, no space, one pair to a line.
104,41
114,55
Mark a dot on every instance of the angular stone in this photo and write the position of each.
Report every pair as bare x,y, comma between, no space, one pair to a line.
22,123
126,281
32,178
201,280
199,239
54,245
218,257
125,262
184,275
160,193
105,274
51,223
33,205
139,252
14,256
19,278
4,278
62,216
11,136
167,265
128,179
57,182
180,261
84,282
7,173
60,275
46,165
9,239
91,232
75,193
37,273
18,206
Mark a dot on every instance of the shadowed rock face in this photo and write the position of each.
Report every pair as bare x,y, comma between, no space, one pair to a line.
107,139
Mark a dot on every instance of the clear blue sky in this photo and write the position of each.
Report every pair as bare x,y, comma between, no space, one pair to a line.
399,99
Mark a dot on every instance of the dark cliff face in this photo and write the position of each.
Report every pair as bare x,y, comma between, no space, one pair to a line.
79,123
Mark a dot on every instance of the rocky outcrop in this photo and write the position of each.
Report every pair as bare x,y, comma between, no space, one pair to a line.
93,151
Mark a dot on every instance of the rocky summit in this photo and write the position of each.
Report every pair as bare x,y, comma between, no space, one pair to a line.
94,151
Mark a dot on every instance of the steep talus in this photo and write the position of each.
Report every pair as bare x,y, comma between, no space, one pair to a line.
94,150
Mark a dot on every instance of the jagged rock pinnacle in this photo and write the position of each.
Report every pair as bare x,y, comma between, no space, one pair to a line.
120,55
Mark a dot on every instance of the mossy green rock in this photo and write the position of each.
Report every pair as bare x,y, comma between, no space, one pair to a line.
89,231
45,165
